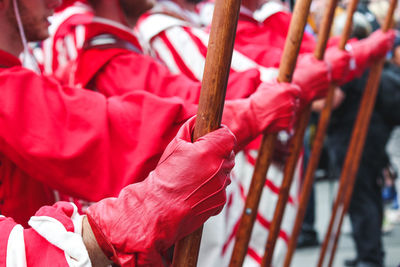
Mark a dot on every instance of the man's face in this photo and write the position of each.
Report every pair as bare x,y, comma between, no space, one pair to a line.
34,15
133,9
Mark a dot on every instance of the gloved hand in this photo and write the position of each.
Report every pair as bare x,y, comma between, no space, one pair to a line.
339,63
269,110
367,51
186,188
313,77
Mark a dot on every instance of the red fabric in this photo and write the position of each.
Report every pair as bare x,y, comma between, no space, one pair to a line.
116,71
264,42
20,194
76,141
16,187
38,251
7,60
187,48
56,51
6,225
67,3
189,196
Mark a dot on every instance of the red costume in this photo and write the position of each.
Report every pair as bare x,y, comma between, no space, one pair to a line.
75,140
175,37
173,201
117,66
54,239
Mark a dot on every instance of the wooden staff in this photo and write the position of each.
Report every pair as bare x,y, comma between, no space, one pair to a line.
252,201
323,122
211,103
353,156
288,63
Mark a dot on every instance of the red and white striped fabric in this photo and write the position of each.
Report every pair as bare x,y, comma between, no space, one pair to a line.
182,45
67,35
54,239
219,231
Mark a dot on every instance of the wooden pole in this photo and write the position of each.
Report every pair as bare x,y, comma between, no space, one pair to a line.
323,122
211,103
353,156
252,201
295,147
287,65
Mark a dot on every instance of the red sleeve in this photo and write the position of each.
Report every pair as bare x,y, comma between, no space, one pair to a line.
130,72
279,23
75,139
264,42
242,84
267,57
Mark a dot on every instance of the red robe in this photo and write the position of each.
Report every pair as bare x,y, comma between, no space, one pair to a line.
75,140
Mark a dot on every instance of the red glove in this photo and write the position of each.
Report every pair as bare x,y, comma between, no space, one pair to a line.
313,77
186,188
270,109
368,50
339,63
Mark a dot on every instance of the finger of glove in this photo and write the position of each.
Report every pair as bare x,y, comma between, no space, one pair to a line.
381,43
272,106
193,165
285,118
279,90
390,37
313,77
205,208
214,184
184,134
220,142
149,258
339,62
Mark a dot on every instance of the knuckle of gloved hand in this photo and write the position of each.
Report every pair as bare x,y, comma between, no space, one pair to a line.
229,163
211,195
173,149
215,173
220,141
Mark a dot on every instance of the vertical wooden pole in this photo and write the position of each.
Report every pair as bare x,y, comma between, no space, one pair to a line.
353,156
295,147
252,201
211,103
323,122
